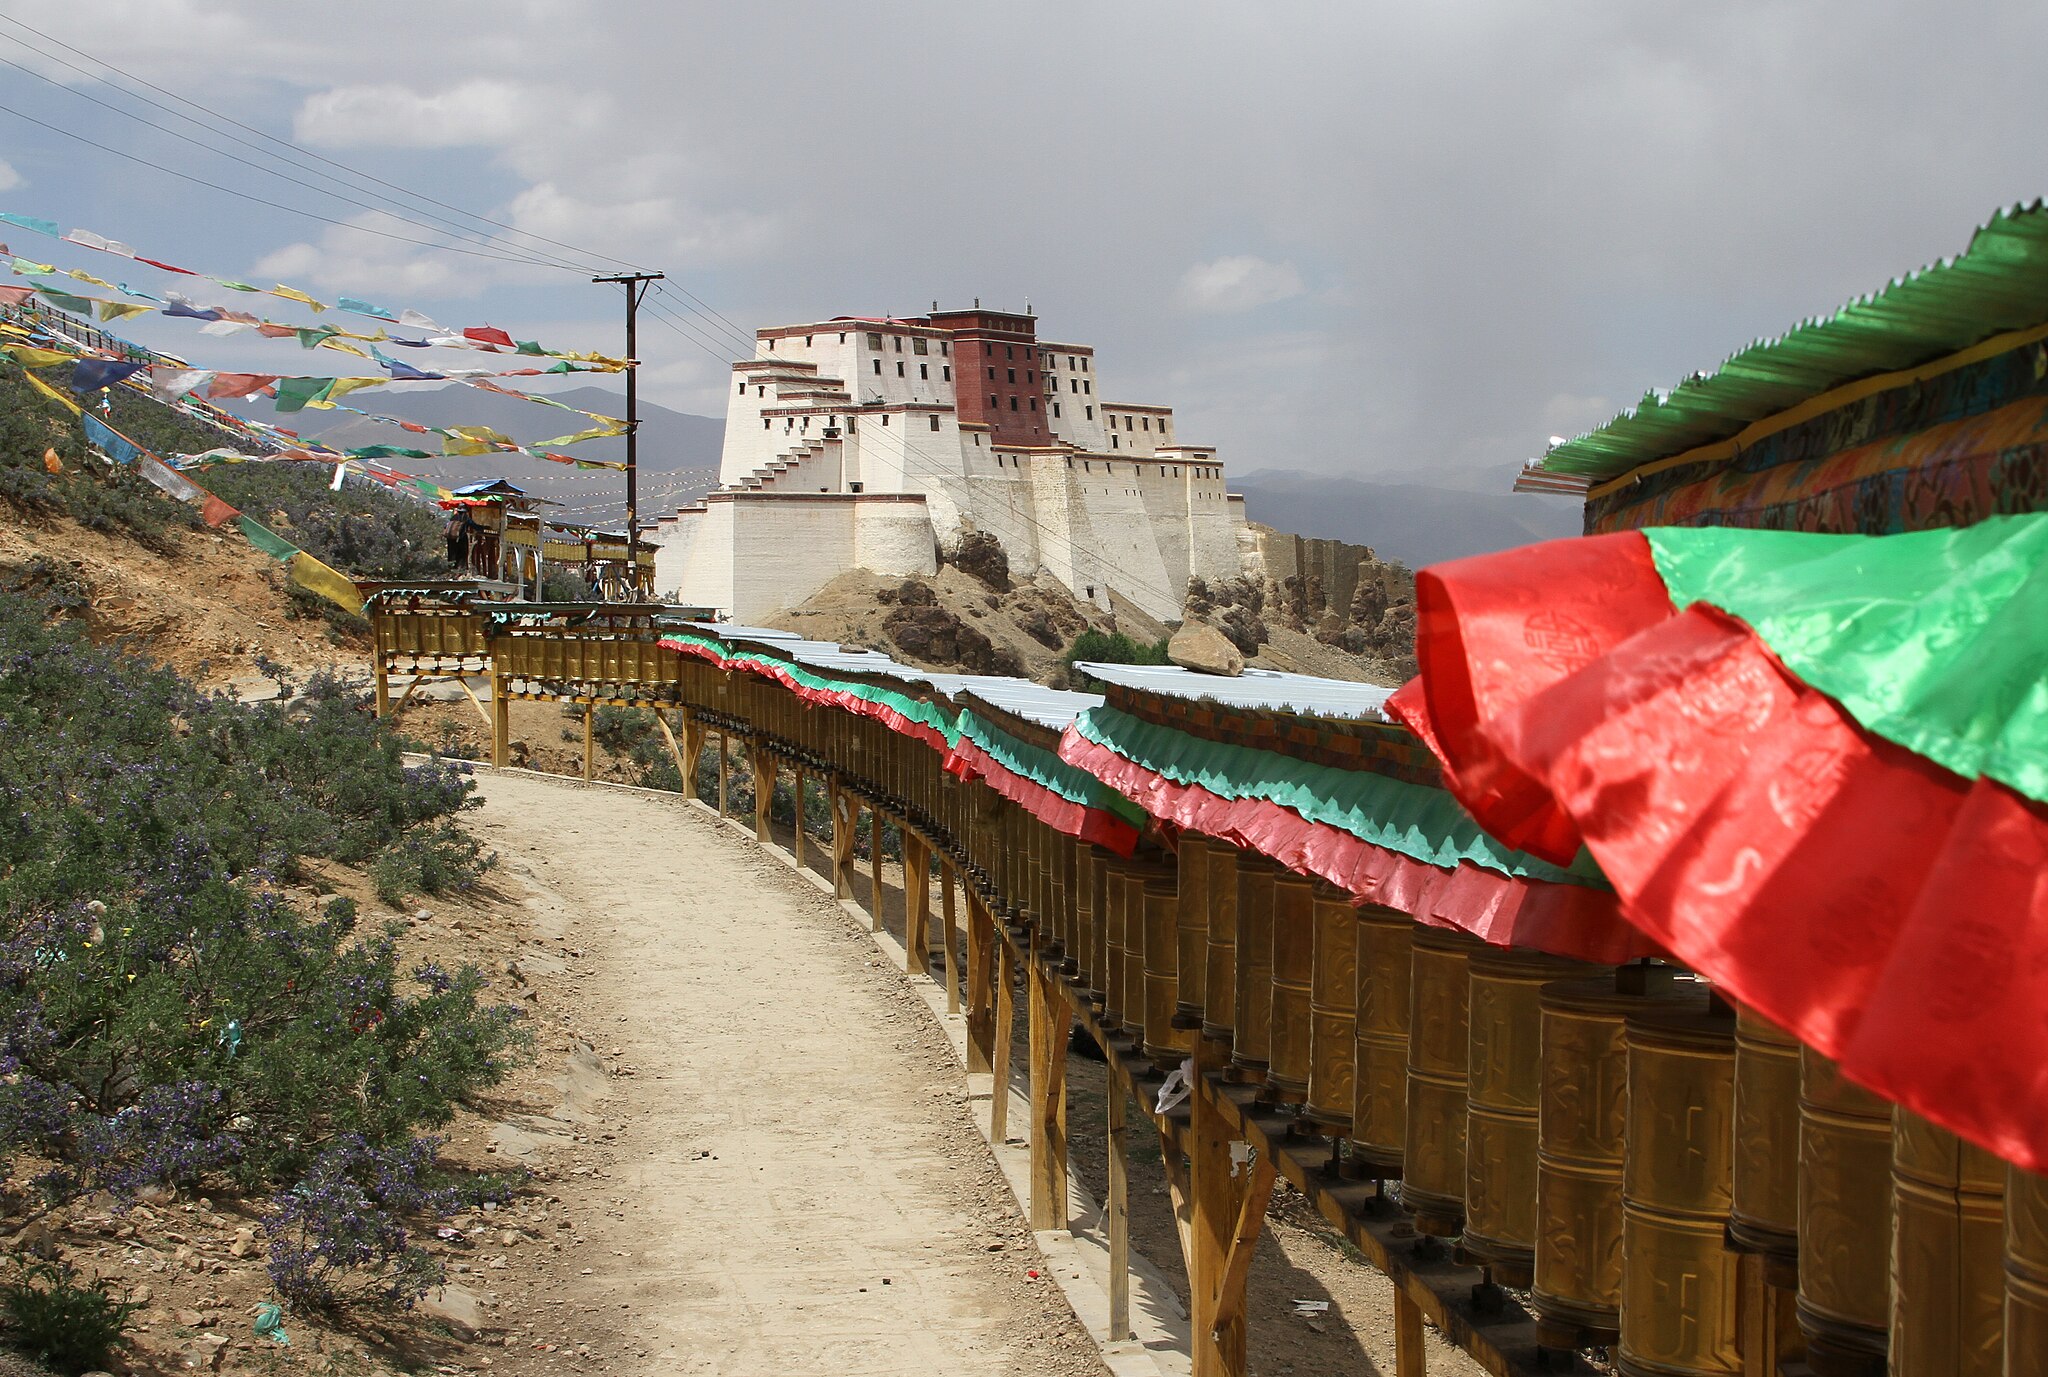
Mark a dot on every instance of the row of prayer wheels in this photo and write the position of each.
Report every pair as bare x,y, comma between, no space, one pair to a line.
1666,1175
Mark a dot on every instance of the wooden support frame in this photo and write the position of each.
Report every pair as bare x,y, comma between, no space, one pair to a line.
999,1056
845,821
796,840
1117,1210
675,751
875,869
589,735
917,904
764,792
981,942
948,883
1049,1021
725,771
501,714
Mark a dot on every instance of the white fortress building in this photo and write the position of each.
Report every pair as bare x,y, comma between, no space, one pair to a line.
858,443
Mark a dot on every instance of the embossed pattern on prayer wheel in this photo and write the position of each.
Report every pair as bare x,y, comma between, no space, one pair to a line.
1219,982
1134,953
1680,1288
1166,1043
1581,1133
1251,1035
1191,932
1948,1253
1504,1089
1333,1013
2026,1274
1433,1155
1114,910
1765,1215
1088,871
1293,963
1845,1221
1379,1099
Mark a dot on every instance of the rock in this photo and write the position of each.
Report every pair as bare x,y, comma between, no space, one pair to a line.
244,1244
37,1240
456,1306
1202,648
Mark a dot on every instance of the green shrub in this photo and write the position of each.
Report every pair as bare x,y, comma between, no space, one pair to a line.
1115,648
99,496
56,1321
363,529
429,860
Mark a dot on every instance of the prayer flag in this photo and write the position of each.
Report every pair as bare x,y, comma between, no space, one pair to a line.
28,356
239,384
418,321
594,433
265,539
121,310
473,440
94,241
179,306
64,301
26,268
215,512
109,441
314,338
90,375
167,267
169,384
293,394
48,227
341,387
52,393
168,479
82,276
15,296
364,308
310,574
484,334
294,294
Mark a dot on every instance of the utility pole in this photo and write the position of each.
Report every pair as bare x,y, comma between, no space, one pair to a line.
636,288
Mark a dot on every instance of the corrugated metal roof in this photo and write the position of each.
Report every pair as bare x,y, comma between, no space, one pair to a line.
1265,689
1054,708
1999,283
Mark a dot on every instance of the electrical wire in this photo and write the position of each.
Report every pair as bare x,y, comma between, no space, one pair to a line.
282,143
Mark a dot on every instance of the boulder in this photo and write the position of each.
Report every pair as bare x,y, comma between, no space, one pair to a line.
1202,648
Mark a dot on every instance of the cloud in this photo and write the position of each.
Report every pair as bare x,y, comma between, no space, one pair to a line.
1240,283
9,178
354,260
483,111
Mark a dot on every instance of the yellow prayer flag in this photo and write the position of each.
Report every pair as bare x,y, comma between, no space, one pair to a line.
594,433
473,440
294,294
28,356
315,577
335,343
121,310
84,276
53,394
343,386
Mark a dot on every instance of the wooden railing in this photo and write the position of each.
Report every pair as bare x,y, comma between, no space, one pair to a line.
1547,1158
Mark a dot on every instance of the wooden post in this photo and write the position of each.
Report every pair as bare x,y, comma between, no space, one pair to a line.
1229,1206
980,995
917,903
1118,1208
875,869
947,880
474,701
764,793
384,680
796,842
675,751
501,716
845,818
724,769
1049,1021
589,725
999,1058
1409,1358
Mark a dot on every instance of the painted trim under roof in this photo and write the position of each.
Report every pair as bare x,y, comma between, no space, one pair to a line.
1996,286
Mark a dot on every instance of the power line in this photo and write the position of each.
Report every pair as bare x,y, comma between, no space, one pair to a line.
739,339
260,200
282,143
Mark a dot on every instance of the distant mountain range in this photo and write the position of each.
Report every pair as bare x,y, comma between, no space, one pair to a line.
678,452
1414,523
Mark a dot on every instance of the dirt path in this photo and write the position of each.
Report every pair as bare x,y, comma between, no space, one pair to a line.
789,1182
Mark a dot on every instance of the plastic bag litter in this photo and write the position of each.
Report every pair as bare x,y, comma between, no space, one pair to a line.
1177,1086
270,1324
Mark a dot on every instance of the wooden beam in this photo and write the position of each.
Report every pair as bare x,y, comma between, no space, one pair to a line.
948,880
999,1058
675,751
917,904
845,818
1244,1241
1177,1191
501,713
1049,1022
1118,1209
764,793
796,841
724,769
475,702
1220,1194
1410,1359
406,697
383,676
589,728
875,869
980,988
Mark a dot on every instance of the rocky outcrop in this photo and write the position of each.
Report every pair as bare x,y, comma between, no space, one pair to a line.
1341,594
1202,648
923,628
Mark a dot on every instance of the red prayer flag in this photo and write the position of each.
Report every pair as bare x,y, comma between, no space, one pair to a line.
215,512
484,334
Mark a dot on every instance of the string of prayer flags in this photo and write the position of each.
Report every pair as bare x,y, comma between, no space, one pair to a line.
91,375
109,441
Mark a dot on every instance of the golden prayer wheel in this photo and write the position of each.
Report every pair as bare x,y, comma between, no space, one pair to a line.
1948,1253
1219,980
1166,1042
1433,1153
1503,1091
1251,1023
2026,1273
1332,1014
1581,1136
1765,1215
1090,869
1287,1059
1379,1095
1134,953
1191,932
1681,1286
1114,910
1845,1221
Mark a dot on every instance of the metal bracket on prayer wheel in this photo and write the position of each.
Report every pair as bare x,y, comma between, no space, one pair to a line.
1287,1062
1433,1156
1219,981
1948,1254
1379,1085
1681,1286
1845,1225
2026,1274
1581,1144
1251,1038
1503,1091
1333,1014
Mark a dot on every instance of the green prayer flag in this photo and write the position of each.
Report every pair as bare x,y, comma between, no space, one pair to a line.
294,393
265,539
528,346
315,337
64,301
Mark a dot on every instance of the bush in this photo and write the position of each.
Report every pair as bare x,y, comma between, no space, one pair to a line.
168,1014
56,1321
1115,648
437,860
99,496
363,529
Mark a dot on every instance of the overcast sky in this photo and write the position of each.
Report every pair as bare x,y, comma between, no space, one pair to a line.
1367,239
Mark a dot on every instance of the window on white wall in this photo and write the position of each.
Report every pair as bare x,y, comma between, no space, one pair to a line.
899,343
1091,412
874,340
1055,411
878,366
899,368
935,422
946,372
920,346
924,370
